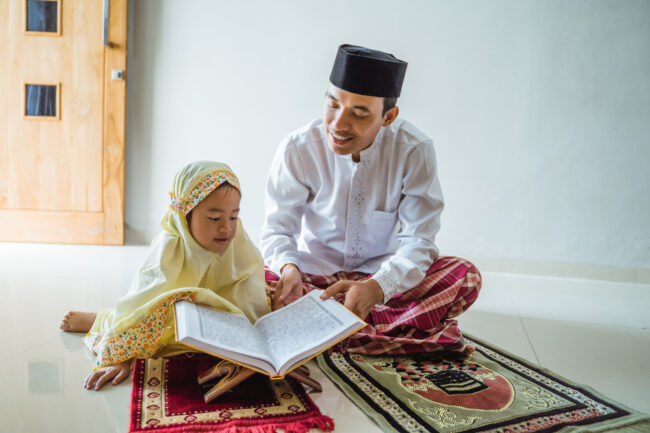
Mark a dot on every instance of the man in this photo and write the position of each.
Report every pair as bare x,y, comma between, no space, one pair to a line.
353,205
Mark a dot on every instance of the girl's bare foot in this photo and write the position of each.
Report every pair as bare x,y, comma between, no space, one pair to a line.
77,321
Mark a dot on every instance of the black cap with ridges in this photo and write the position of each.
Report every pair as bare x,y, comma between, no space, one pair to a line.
368,72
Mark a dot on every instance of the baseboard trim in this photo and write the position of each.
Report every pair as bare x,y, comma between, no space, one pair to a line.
562,270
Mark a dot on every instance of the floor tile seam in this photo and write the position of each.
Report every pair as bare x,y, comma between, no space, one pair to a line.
624,396
22,352
636,329
87,398
628,394
515,308
530,342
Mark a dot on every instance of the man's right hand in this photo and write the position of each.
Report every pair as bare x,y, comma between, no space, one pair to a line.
289,288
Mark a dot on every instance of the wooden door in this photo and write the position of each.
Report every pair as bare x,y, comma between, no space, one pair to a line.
62,117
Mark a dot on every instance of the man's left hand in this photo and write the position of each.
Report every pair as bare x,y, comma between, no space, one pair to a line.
360,296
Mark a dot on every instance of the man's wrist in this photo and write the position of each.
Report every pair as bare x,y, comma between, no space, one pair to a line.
388,285
378,292
289,265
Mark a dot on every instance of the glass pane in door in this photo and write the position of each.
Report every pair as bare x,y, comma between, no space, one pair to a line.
42,16
40,100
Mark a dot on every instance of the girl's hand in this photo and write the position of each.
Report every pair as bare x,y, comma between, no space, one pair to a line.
117,373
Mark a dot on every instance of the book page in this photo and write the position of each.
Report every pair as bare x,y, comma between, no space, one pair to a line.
303,324
230,331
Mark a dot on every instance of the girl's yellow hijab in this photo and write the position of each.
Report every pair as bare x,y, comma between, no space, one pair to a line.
178,268
177,261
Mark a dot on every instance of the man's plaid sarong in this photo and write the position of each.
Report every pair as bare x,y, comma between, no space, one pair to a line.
416,321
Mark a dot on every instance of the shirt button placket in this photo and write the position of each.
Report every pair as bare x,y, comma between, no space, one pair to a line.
352,225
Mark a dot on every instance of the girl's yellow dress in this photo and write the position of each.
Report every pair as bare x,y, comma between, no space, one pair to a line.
177,268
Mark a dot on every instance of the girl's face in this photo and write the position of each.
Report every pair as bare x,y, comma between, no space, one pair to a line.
213,222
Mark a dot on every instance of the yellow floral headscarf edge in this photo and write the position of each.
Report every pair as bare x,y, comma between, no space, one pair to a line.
201,190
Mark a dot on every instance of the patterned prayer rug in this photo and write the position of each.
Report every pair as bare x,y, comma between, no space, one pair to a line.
166,398
492,391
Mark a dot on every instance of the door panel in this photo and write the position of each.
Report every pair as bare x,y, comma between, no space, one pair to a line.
62,175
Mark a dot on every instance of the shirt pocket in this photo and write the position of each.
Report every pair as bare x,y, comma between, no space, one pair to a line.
380,230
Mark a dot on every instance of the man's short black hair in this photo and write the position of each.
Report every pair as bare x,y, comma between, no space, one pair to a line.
388,104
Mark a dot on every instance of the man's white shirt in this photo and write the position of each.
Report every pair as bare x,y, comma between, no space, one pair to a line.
325,213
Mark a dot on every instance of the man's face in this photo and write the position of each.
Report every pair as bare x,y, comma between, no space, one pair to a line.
352,121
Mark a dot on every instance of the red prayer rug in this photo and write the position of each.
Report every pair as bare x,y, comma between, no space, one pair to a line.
491,391
166,398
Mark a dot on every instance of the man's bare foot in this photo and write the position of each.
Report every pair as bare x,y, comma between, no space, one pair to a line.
77,321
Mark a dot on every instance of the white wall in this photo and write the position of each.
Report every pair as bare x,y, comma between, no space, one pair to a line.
539,111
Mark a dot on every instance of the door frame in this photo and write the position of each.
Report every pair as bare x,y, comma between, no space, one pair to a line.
114,125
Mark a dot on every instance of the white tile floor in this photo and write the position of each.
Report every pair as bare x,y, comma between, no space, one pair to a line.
591,332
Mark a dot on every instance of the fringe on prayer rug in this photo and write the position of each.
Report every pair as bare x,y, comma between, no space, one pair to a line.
491,391
166,398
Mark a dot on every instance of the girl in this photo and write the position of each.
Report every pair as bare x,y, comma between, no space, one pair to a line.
203,255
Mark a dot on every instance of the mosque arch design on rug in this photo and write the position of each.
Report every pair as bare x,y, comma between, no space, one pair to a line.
427,393
450,382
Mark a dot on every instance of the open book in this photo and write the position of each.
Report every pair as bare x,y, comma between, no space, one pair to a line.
278,342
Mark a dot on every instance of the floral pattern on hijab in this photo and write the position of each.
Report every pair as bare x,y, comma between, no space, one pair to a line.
201,190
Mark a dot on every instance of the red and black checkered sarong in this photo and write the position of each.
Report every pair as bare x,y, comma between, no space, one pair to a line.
416,321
